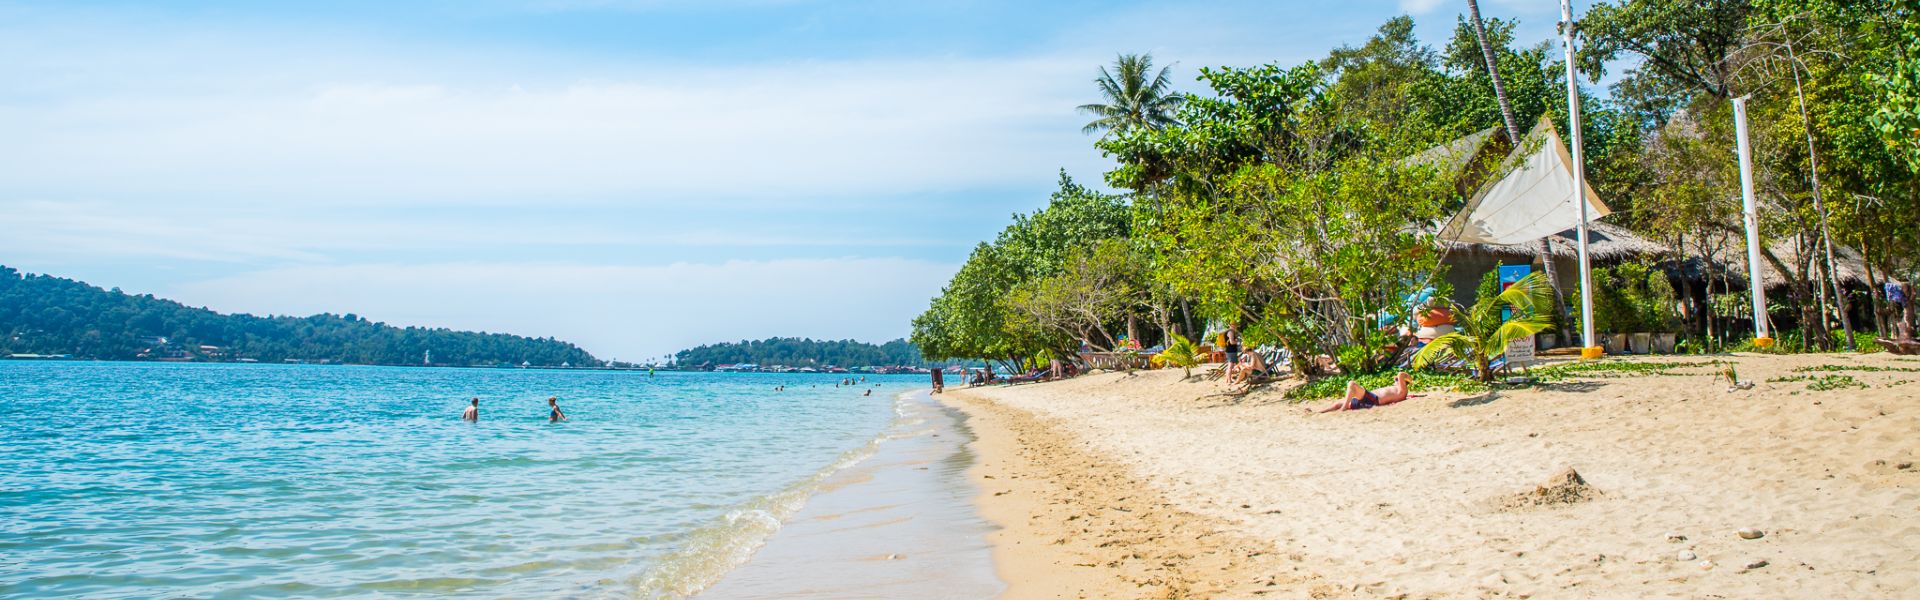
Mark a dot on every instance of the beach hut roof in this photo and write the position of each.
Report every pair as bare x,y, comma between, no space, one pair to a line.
1605,242
1729,260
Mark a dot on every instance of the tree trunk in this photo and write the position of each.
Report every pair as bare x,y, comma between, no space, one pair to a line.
1513,137
1499,90
1813,172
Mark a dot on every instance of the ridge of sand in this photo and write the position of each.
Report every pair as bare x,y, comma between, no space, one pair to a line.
1174,488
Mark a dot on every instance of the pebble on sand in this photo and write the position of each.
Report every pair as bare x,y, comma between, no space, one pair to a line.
1750,533
1686,555
1758,563
1675,537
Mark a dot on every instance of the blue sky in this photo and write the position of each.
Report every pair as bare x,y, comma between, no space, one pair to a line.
637,176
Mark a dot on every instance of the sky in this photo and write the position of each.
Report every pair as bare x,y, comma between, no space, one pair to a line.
635,176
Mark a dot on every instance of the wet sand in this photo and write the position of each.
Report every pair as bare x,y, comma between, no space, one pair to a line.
1131,486
901,524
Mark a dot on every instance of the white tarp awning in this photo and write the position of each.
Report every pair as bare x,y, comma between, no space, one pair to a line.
1534,200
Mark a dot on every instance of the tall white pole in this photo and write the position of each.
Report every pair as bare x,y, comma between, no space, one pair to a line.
1579,181
1755,285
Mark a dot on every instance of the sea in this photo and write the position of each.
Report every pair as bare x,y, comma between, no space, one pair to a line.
156,480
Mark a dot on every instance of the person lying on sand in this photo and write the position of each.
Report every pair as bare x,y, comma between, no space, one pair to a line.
1359,397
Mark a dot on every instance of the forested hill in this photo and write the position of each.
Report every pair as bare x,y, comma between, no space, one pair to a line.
41,314
802,352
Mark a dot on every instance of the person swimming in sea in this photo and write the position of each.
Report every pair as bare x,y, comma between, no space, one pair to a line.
869,393
472,413
556,416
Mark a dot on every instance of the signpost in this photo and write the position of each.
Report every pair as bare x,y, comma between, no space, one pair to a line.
1520,352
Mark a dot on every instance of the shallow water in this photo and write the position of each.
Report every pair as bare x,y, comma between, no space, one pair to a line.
144,480
901,524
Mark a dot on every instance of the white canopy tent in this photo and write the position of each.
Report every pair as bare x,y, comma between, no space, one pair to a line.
1532,200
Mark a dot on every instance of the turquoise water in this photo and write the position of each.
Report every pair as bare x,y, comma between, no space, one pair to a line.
137,480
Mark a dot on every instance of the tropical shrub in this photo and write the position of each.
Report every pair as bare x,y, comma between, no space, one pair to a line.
1480,335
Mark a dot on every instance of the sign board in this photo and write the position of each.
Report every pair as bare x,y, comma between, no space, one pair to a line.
1510,274
1520,352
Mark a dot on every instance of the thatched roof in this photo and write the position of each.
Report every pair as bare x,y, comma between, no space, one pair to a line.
1605,242
1731,263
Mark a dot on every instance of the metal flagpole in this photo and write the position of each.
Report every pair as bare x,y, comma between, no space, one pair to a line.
1593,349
1755,286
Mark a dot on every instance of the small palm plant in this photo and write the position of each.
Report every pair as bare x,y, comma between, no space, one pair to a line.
1180,351
1480,335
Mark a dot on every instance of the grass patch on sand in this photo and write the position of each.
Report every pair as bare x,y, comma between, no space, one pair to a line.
1822,383
1564,371
1862,368
1336,386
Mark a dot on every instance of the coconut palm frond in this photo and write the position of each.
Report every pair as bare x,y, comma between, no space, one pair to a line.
1133,99
1450,345
1517,329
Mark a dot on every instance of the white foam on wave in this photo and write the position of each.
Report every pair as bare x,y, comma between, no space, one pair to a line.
729,541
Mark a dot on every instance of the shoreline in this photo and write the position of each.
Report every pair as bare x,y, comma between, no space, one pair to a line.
899,523
1072,523
1115,485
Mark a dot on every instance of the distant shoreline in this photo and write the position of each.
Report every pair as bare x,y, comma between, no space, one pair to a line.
60,359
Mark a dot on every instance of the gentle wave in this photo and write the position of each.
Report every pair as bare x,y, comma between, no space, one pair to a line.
728,542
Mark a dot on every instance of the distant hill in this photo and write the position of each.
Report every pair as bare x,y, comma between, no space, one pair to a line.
41,314
802,352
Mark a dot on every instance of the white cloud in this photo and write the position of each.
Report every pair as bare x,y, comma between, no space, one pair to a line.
424,129
625,312
1420,7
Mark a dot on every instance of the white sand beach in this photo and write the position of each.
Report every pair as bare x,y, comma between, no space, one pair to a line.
1143,485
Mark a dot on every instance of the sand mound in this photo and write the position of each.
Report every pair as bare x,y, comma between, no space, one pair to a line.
1568,487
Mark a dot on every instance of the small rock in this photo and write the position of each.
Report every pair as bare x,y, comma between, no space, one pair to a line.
1903,466
1686,555
1706,565
1674,537
1493,581
1750,533
1757,564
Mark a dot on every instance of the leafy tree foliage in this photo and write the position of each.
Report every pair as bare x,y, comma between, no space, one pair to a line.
41,314
802,352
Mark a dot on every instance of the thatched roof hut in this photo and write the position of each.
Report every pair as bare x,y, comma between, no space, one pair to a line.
1731,262
1606,242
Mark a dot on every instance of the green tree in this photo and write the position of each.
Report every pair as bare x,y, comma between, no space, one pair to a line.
1137,97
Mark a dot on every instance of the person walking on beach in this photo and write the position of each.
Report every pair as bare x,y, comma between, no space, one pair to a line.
556,416
472,413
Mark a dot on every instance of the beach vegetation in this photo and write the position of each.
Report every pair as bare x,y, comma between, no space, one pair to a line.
1611,368
1335,386
1482,332
1135,97
1180,352
1289,202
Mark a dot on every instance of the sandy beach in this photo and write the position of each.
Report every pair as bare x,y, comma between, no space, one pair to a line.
1144,485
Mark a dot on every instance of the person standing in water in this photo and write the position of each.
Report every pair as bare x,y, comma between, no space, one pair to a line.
472,413
556,416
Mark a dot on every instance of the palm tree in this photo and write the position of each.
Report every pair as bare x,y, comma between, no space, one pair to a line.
1181,352
1133,99
1513,136
1479,333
